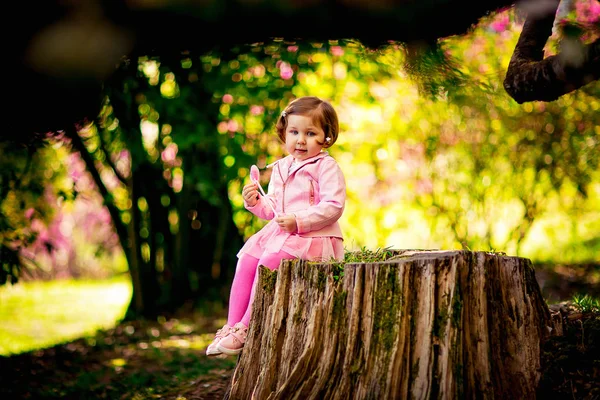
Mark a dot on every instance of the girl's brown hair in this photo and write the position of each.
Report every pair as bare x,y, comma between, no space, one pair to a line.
321,112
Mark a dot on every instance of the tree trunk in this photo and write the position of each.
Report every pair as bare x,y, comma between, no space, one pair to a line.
424,324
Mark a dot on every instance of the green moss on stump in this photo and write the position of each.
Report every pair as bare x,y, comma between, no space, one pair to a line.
268,279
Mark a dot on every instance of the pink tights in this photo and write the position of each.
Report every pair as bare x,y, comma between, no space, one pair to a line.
242,287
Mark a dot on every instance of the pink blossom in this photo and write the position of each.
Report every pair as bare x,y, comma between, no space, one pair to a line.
285,70
124,154
75,166
500,23
424,186
337,51
588,12
258,71
257,110
169,154
232,125
222,126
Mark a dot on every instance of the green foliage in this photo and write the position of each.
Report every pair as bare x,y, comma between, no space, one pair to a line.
10,265
586,303
471,168
463,166
32,183
338,271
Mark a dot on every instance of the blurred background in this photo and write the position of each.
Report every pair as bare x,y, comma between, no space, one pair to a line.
137,213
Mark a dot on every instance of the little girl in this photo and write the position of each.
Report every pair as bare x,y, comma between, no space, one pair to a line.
305,199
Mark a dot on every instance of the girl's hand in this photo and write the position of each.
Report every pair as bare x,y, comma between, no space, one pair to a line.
287,223
250,194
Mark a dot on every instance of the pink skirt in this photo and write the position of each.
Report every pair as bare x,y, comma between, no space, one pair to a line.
271,239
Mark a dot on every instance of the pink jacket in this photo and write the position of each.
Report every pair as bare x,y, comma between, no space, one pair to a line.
314,191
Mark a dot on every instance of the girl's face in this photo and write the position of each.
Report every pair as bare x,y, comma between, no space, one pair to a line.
303,138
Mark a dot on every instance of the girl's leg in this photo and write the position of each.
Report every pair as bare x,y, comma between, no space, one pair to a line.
270,261
241,288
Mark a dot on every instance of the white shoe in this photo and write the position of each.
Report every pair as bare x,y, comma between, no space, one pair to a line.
212,349
233,343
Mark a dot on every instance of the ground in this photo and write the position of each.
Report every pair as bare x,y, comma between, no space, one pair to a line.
136,360
165,359
571,361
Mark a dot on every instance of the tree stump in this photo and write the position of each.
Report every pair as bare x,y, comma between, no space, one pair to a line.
424,324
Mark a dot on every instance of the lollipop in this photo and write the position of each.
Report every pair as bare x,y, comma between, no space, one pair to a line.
254,174
254,177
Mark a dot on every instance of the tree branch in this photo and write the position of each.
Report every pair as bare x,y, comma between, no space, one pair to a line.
531,77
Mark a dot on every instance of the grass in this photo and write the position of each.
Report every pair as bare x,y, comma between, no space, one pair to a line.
365,255
35,315
362,255
586,303
66,339
69,352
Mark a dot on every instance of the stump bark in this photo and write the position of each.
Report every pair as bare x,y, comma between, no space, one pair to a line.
424,324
